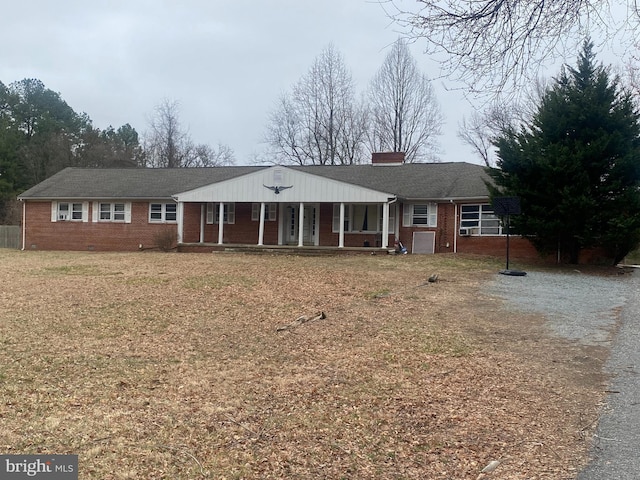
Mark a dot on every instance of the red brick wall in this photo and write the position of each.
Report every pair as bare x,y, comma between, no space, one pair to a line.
46,235
497,246
43,234
387,157
447,229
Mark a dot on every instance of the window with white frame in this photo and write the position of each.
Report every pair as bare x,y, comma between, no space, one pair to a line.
420,215
213,213
163,212
70,211
269,212
480,220
112,212
362,218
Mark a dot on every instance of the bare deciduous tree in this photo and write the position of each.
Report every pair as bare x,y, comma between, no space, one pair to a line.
168,145
405,115
207,156
631,75
491,44
319,122
483,127
166,142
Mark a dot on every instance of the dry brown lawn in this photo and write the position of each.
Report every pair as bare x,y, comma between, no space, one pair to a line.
151,365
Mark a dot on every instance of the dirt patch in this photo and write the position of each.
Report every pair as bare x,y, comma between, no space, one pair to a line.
154,365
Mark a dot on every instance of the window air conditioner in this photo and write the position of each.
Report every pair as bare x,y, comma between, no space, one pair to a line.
465,232
63,216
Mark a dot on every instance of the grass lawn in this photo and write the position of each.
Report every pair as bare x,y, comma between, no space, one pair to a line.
151,365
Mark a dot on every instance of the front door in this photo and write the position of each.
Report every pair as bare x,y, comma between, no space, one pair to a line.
292,227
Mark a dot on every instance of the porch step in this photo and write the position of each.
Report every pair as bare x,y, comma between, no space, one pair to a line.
283,249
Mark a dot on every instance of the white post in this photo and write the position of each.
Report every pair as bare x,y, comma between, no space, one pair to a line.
220,222
455,229
24,224
261,234
203,220
180,221
341,229
301,225
385,225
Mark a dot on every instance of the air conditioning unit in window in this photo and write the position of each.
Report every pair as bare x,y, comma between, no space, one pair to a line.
63,216
465,232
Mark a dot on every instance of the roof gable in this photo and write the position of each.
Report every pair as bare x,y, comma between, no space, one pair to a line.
283,184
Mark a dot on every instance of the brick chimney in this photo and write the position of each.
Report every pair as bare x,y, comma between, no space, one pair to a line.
387,158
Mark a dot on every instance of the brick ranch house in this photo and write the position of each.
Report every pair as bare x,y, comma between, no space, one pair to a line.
430,208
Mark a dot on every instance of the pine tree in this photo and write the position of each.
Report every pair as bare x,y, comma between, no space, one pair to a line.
576,167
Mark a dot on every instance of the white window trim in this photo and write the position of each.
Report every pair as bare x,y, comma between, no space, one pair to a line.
96,212
432,215
474,226
213,211
56,216
269,213
163,212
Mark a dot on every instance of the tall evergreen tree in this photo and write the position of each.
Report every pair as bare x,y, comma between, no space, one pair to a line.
576,167
41,134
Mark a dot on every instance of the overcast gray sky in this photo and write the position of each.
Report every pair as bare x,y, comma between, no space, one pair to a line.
225,61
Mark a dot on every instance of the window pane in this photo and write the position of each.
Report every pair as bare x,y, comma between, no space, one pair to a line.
118,211
487,209
156,211
420,209
360,220
105,211
77,211
424,215
170,212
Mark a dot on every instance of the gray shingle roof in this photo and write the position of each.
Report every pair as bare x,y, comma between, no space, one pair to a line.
409,181
413,180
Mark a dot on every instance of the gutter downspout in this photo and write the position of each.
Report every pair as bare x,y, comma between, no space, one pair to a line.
455,228
24,225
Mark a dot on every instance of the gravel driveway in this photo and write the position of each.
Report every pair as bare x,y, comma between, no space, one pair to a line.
587,309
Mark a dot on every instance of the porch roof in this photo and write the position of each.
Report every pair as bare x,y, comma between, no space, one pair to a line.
284,184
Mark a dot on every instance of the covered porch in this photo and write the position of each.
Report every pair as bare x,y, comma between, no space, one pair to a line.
281,207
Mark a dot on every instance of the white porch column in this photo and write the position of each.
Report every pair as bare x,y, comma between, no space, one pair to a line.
203,221
385,225
180,221
261,234
301,225
220,222
341,230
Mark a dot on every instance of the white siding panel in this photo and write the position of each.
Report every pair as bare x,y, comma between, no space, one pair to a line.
305,188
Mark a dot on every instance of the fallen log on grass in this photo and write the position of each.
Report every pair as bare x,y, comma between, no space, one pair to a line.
300,320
